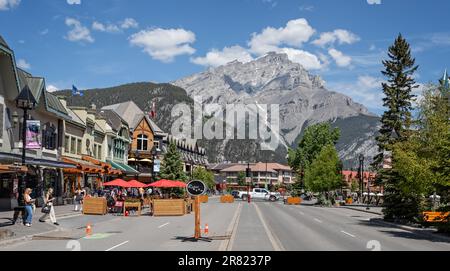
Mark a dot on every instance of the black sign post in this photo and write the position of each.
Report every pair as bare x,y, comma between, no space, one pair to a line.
197,188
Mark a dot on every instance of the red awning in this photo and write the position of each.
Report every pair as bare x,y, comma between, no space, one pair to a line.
135,184
117,182
167,184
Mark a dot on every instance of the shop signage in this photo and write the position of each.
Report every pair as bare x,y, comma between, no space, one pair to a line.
33,135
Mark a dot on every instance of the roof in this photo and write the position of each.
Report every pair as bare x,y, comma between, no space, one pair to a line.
54,103
36,84
3,43
133,115
258,167
75,118
113,119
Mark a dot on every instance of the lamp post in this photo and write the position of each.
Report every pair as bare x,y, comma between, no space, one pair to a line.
26,102
248,172
155,151
361,173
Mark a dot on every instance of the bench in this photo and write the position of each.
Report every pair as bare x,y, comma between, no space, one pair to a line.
436,217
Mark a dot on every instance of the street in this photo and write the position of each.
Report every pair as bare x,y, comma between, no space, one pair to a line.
259,226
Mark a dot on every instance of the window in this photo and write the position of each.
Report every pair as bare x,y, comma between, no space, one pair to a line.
142,142
1,120
67,144
73,145
99,153
49,136
156,144
79,146
95,150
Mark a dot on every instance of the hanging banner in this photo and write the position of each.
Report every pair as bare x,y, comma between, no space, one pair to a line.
157,166
33,135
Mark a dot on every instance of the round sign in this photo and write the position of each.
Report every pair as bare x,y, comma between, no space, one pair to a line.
196,188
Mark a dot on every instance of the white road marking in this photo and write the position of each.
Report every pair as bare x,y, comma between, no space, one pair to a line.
114,247
349,234
163,225
276,244
318,220
302,213
227,244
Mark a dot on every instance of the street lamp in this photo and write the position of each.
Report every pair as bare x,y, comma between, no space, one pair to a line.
248,172
361,173
26,102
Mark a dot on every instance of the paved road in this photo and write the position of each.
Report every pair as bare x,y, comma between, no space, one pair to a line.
259,226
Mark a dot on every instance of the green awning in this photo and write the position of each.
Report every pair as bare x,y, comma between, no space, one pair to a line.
124,168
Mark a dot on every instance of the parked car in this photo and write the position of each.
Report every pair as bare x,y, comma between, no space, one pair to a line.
260,193
235,194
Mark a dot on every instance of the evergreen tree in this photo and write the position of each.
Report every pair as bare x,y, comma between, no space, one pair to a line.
172,165
396,124
206,176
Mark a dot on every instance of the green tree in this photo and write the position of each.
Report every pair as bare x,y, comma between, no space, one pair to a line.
206,176
395,125
315,138
241,179
324,175
172,165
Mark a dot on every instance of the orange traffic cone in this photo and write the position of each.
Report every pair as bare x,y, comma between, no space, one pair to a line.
206,229
88,229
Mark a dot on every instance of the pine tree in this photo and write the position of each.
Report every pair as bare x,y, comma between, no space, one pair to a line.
395,125
172,165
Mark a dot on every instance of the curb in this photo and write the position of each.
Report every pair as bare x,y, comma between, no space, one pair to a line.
361,210
419,231
13,241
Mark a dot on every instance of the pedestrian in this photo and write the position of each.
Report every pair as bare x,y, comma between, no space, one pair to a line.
29,202
48,200
79,196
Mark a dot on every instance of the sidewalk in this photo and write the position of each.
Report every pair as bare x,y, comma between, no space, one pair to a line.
19,231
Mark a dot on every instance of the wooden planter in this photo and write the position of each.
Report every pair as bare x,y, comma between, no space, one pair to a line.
95,206
227,199
203,198
169,207
293,200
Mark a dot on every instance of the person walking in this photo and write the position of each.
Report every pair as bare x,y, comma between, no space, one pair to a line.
48,200
79,196
29,202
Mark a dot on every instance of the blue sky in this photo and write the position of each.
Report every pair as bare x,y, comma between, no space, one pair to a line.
109,42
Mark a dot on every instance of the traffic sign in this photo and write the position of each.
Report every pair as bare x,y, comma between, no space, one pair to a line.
196,188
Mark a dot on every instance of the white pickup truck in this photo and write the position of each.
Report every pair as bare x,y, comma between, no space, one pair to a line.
260,193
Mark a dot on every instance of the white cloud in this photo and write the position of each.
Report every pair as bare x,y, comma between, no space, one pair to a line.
8,4
295,33
306,8
308,60
341,36
339,57
52,88
110,28
78,31
217,58
23,64
115,28
129,23
44,32
374,2
74,2
164,44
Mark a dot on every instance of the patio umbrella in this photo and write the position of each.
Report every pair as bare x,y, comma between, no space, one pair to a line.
135,184
167,184
117,182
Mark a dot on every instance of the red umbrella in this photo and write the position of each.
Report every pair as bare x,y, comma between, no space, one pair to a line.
135,184
117,182
167,184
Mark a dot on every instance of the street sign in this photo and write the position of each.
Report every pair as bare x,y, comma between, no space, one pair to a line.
157,166
196,188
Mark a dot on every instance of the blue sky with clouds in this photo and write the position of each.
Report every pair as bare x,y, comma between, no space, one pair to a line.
108,42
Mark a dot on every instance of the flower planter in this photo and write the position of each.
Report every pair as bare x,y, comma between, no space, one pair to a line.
227,199
293,201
